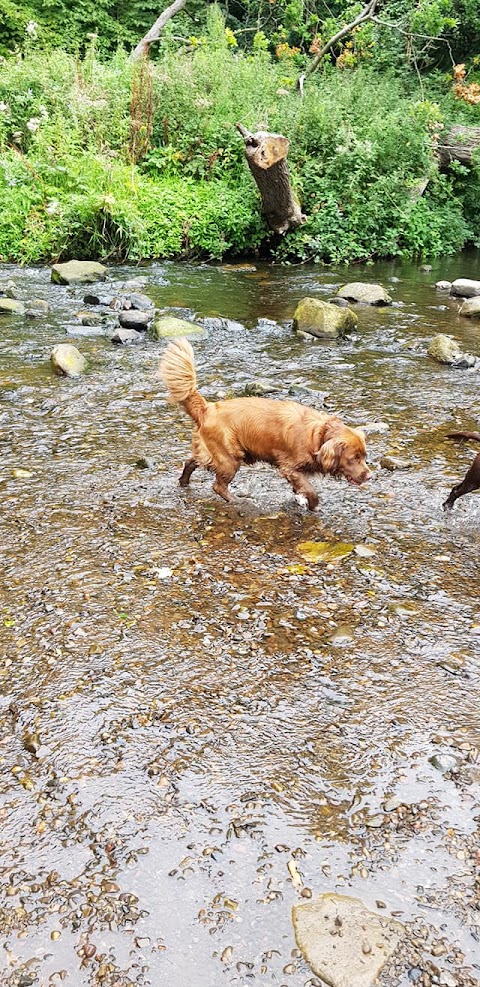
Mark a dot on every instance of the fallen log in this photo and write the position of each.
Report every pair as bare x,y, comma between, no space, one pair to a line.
266,157
458,144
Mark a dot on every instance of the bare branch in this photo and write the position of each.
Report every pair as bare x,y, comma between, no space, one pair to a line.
143,47
366,14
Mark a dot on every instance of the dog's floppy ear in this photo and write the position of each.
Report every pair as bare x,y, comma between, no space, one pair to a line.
329,455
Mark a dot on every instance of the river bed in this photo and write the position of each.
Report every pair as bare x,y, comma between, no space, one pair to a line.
188,703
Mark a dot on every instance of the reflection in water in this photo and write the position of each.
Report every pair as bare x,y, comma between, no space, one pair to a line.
206,701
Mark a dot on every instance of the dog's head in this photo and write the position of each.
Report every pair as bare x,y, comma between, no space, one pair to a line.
343,453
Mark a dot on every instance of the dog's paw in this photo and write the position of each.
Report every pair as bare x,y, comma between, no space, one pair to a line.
301,499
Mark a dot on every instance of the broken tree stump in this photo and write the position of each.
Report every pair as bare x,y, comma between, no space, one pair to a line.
458,144
266,156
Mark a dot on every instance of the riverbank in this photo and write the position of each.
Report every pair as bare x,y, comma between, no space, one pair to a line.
97,161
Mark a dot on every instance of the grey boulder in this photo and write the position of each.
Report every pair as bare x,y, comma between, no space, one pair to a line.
368,294
465,287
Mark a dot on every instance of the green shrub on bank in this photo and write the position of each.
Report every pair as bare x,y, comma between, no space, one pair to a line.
361,149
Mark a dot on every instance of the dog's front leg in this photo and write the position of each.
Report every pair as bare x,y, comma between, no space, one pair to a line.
301,487
470,482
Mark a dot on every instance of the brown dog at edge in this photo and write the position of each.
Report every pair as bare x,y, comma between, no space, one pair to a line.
296,439
471,480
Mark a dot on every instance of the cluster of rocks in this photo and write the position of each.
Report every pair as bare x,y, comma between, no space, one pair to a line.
444,348
135,312
468,291
335,319
10,303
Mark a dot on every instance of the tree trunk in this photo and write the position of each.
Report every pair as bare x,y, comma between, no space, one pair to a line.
266,156
458,144
143,47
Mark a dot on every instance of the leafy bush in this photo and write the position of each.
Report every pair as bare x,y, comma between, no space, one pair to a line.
361,148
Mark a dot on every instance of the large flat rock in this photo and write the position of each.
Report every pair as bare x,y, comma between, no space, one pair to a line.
465,288
78,272
344,943
367,294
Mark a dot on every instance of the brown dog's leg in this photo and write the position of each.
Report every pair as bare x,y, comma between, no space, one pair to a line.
301,487
188,469
470,482
225,468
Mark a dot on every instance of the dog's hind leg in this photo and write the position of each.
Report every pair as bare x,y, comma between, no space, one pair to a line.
301,487
188,469
225,471
222,479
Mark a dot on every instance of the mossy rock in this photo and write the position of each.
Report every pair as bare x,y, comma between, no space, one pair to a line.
444,349
168,326
323,320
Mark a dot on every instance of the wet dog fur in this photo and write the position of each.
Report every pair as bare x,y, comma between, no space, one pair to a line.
297,440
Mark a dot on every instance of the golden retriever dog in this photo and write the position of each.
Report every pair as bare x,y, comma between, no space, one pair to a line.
297,440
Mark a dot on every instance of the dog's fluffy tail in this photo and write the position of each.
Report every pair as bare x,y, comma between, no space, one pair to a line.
474,436
177,370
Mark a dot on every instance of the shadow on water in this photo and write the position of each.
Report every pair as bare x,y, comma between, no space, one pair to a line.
188,702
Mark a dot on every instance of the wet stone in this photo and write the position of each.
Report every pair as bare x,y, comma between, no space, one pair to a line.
392,463
134,319
465,288
37,308
470,308
66,360
258,388
125,337
140,302
92,298
356,957
9,306
444,762
367,294
9,288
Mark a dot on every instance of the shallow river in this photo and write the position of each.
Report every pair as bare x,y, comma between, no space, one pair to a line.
187,703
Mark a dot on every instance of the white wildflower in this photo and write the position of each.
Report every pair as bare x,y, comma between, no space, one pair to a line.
33,124
31,29
52,207
3,107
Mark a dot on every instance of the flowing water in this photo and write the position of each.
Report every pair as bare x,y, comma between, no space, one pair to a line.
188,703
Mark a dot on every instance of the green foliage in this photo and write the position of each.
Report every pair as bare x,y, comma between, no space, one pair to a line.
361,148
